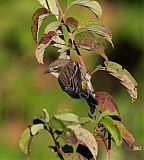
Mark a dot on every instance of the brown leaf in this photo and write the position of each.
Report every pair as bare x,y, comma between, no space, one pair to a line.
72,22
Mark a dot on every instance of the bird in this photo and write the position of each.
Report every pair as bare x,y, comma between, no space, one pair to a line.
71,77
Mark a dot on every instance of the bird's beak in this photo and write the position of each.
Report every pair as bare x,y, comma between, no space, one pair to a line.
47,71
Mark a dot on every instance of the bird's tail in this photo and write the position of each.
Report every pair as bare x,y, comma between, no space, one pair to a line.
92,102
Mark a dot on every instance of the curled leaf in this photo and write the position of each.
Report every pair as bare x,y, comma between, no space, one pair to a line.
44,42
25,142
86,138
126,135
43,3
38,18
93,5
123,75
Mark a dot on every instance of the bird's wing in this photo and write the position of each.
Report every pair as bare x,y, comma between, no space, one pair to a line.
70,79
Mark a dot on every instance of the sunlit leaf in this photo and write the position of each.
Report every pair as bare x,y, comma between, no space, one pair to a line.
44,42
87,138
91,42
43,3
53,26
107,103
38,18
53,7
124,76
92,5
72,22
25,142
68,117
126,135
98,27
35,129
114,131
107,113
45,115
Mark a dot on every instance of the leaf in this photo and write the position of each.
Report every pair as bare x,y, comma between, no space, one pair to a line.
53,26
98,27
67,149
92,5
69,137
25,142
91,42
107,103
38,18
124,76
53,7
87,138
44,42
68,117
35,129
107,113
43,3
72,22
126,135
56,124
114,131
45,115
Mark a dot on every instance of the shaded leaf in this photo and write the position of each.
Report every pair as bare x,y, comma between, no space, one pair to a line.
84,120
107,103
87,138
67,149
25,142
69,137
44,42
84,152
91,42
68,117
43,3
114,131
72,22
124,76
126,135
98,27
38,18
92,5
56,124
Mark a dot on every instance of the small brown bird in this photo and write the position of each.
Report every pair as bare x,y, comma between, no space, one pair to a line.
71,79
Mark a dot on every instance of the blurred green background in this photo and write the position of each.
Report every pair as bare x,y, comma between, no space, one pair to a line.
25,90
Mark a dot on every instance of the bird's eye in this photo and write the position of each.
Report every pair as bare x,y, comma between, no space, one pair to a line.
55,69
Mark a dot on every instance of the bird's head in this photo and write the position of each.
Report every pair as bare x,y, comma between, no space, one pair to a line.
56,66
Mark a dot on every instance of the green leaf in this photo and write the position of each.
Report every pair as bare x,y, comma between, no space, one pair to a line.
91,42
56,124
70,117
124,76
114,131
43,3
53,7
87,138
107,113
84,120
25,142
38,18
92,5
98,27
